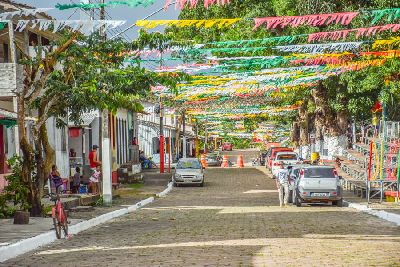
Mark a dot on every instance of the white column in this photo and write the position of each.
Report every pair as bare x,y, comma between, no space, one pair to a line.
16,133
106,161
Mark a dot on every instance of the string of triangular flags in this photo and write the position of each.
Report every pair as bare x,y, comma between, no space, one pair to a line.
149,24
135,3
129,3
193,3
312,37
23,12
85,26
344,19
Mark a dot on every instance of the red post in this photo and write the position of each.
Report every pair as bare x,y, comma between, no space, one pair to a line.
162,154
370,161
169,154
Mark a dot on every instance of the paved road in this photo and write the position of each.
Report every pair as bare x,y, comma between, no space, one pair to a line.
233,221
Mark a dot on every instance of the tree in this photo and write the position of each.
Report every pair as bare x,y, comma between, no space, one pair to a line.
79,74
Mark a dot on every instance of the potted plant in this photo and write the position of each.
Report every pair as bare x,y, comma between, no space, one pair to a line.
17,192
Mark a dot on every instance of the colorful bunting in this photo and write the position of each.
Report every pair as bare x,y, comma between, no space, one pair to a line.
129,3
319,48
264,41
220,23
392,13
193,3
85,26
25,12
312,20
394,41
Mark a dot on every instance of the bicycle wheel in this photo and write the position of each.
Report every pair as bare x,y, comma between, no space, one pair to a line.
64,225
57,227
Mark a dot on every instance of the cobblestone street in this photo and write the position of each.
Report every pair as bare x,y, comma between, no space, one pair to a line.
234,220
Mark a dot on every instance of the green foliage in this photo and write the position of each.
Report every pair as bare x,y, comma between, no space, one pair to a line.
93,75
100,202
16,193
238,143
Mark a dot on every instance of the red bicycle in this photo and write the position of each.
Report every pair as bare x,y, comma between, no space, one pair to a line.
59,215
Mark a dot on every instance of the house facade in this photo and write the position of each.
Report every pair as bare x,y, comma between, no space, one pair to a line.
149,132
11,80
123,128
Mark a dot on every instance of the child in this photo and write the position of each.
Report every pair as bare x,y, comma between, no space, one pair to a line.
95,180
56,179
76,181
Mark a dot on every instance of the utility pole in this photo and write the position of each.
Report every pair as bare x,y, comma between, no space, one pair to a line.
162,154
197,140
105,137
184,135
205,138
161,137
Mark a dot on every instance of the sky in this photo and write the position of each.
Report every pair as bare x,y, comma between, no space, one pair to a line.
117,13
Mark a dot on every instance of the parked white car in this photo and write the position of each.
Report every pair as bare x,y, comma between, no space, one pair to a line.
188,171
318,184
285,158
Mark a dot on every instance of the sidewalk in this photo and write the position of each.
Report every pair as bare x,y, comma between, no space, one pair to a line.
125,198
375,205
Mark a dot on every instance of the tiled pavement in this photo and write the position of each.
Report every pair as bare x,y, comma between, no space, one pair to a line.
233,221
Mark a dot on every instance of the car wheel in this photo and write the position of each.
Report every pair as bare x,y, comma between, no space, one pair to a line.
298,201
338,203
290,198
202,184
176,185
294,197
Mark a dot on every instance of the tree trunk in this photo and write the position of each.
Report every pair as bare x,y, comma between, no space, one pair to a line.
45,158
325,119
49,157
342,118
28,159
295,134
303,123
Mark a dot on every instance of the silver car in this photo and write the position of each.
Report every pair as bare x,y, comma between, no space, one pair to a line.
188,171
213,161
318,184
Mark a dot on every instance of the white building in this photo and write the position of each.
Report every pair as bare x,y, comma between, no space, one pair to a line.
149,131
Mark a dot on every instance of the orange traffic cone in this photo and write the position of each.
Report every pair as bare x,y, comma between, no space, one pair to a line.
225,163
203,161
240,163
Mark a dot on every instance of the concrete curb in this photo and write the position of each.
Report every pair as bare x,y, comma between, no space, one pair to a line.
29,244
167,190
387,216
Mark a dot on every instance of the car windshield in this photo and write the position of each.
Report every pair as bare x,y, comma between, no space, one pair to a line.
319,173
193,164
287,157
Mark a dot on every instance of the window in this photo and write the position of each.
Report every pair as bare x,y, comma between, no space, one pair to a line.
287,157
319,173
33,39
45,41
